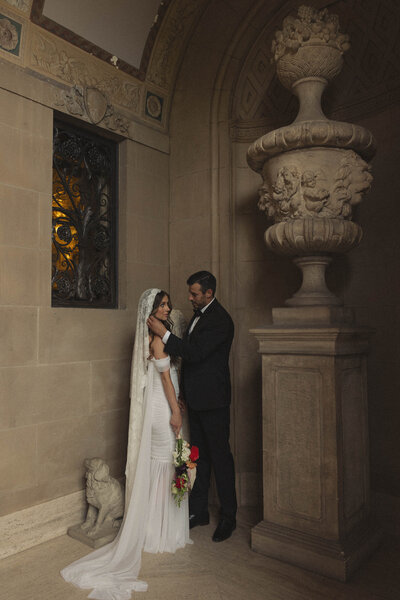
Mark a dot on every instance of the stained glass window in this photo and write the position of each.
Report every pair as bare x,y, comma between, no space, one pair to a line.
84,218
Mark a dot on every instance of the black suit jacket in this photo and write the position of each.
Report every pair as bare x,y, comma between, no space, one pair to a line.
205,378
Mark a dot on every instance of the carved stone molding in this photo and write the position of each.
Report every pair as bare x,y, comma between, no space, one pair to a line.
51,58
308,134
92,104
63,62
59,30
303,236
172,38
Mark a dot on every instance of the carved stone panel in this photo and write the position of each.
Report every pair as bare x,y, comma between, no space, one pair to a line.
297,394
355,435
299,435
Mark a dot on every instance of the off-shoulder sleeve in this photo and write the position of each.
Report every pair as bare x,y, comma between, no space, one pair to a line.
162,364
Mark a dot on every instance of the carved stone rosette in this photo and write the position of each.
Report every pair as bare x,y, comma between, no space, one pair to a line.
315,171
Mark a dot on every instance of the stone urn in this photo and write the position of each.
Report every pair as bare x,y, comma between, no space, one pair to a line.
315,171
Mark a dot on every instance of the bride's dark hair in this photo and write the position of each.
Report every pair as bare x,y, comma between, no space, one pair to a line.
169,322
157,301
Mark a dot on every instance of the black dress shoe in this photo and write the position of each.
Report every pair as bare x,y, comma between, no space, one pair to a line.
202,519
224,530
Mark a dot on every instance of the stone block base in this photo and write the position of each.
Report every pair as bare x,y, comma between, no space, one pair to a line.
325,557
37,524
313,315
103,537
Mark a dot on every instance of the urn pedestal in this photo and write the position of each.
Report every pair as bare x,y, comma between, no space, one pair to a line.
315,449
315,428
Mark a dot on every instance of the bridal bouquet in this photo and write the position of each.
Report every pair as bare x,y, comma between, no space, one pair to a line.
184,461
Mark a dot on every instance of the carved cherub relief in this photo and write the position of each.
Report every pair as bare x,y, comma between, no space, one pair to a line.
298,193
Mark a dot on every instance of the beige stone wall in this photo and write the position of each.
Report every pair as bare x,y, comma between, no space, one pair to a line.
64,373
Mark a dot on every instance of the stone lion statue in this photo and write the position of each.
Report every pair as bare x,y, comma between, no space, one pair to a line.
105,496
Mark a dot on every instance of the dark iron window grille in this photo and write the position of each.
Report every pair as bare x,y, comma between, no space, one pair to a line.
84,219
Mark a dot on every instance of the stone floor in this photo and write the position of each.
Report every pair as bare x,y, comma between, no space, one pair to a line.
204,571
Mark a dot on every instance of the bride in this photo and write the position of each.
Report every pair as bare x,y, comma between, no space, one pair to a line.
152,521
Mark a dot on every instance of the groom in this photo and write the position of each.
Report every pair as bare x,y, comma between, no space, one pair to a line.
206,387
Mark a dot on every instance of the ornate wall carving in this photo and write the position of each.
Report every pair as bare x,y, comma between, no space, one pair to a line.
299,192
66,64
92,104
174,33
86,80
9,34
59,30
12,34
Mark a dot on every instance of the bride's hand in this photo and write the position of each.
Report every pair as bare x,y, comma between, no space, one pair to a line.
176,421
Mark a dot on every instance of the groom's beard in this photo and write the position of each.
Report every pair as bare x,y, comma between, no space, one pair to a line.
198,306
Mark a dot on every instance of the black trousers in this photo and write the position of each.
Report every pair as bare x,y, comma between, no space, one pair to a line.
209,431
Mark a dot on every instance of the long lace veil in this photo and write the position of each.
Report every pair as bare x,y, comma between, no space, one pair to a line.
179,322
112,571
138,384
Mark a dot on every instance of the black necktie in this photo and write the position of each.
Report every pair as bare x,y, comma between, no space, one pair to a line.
197,313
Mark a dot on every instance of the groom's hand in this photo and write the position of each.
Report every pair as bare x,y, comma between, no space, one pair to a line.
156,326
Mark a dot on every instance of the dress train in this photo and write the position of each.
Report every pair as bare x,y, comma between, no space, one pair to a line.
152,522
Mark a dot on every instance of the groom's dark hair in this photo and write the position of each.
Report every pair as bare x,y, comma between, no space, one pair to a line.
205,279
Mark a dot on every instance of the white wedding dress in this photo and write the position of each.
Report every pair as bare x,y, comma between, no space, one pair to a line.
152,521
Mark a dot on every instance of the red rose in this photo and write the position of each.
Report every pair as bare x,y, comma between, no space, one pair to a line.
180,482
194,453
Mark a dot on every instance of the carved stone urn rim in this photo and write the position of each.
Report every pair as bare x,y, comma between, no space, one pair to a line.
311,134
